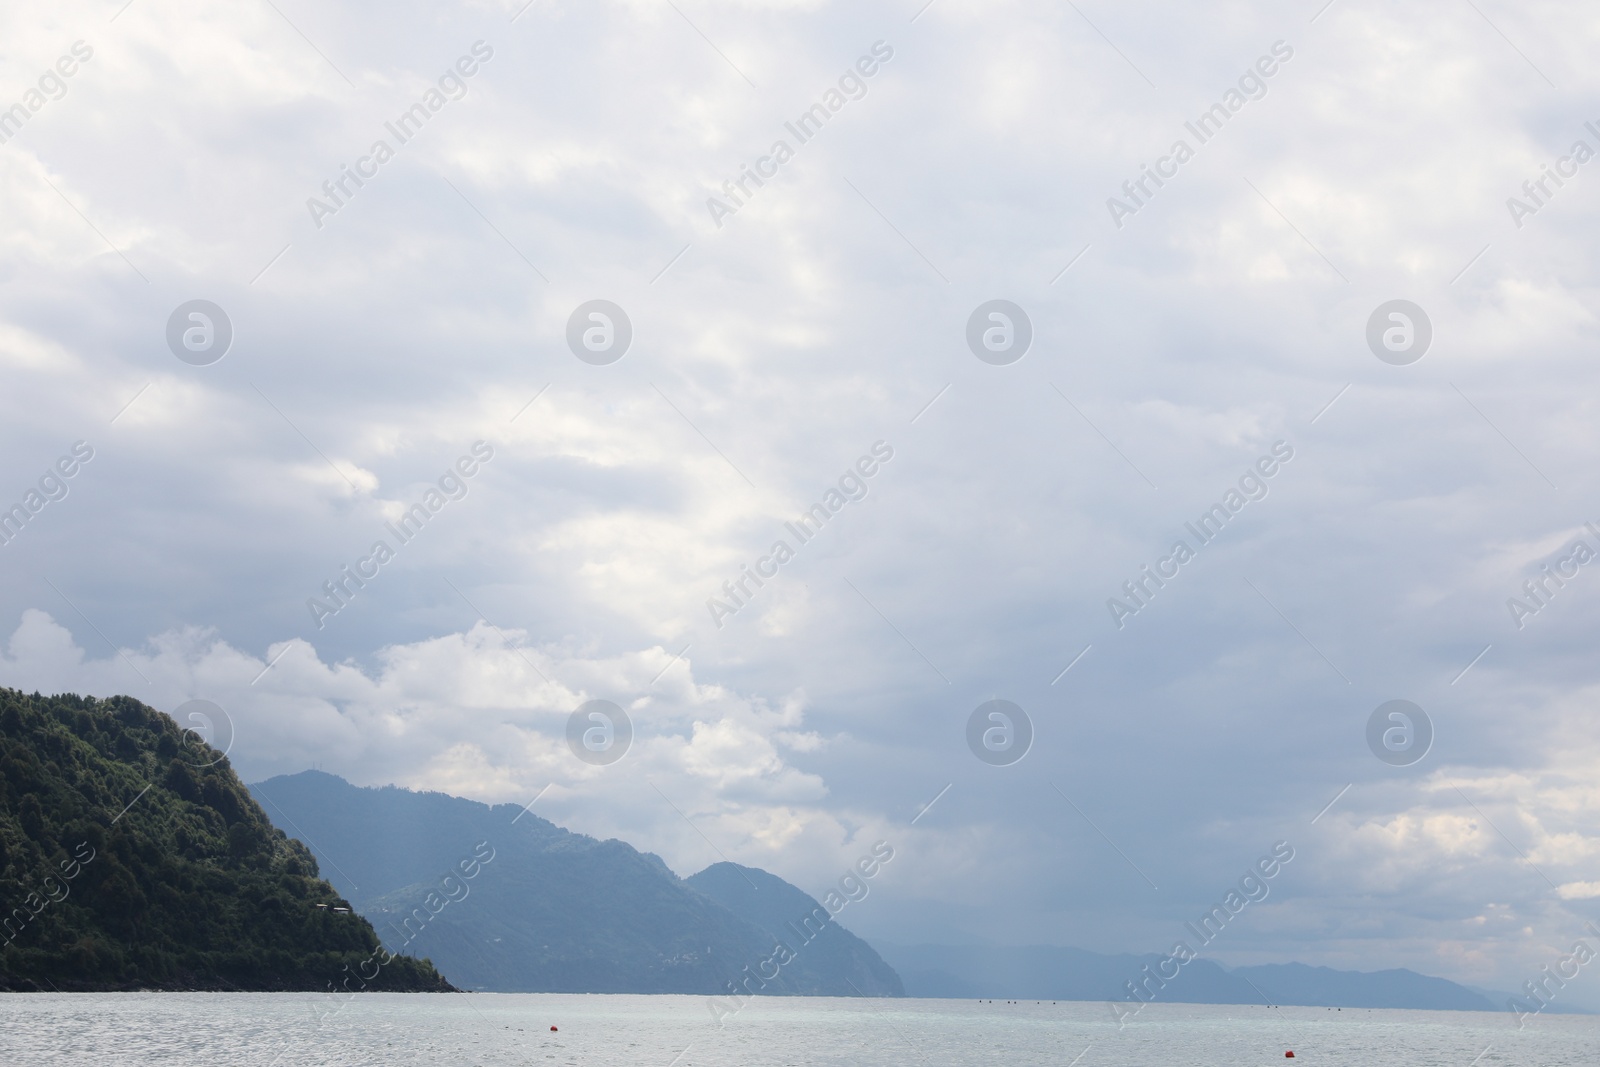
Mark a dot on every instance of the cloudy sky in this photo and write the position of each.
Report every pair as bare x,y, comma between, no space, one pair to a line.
1176,337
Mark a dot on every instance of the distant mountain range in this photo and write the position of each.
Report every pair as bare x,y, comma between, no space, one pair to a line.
1040,972
131,857
554,911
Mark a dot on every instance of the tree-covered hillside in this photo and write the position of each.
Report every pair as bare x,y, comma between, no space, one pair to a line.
131,857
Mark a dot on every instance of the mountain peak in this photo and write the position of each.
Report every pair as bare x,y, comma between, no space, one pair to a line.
795,919
550,910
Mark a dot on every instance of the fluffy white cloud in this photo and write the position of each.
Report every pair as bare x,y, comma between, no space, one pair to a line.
475,714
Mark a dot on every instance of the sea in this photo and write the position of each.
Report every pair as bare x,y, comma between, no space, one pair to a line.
494,1029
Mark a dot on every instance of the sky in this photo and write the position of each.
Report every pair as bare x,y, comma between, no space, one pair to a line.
1159,350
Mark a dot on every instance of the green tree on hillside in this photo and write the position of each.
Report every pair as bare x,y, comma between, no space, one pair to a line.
132,857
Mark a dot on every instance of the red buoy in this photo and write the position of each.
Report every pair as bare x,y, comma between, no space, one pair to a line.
1287,1055
553,1030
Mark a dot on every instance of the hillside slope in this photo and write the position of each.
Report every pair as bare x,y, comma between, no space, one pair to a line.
791,915
132,857
552,911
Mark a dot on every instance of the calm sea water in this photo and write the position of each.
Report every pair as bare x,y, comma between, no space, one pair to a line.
490,1030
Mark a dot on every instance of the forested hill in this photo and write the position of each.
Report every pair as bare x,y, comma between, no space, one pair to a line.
131,857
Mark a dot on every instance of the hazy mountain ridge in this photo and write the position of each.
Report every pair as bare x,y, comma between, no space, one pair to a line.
1042,972
790,915
553,911
557,911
